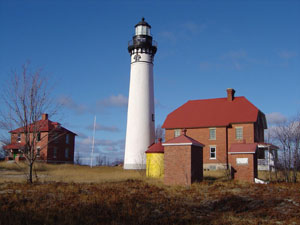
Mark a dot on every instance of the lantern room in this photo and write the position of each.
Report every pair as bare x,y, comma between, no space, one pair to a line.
142,28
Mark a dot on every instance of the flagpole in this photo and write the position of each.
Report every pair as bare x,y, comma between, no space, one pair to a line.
93,143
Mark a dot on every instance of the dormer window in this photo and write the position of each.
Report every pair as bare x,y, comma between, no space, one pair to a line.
19,138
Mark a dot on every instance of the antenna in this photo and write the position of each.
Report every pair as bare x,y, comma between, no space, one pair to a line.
93,144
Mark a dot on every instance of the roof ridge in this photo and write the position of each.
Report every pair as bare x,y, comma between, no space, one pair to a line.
214,98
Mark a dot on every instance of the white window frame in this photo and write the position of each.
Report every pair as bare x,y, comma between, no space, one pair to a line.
210,147
236,133
67,153
38,151
177,132
215,133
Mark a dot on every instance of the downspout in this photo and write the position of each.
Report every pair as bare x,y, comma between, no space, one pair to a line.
227,163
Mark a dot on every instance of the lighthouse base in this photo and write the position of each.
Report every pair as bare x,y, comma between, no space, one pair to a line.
134,166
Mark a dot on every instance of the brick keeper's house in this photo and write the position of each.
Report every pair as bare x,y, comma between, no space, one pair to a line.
219,124
54,143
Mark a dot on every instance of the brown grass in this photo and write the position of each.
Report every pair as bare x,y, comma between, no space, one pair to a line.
12,172
103,195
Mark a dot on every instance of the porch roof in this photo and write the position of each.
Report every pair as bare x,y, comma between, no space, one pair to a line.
242,148
14,146
267,145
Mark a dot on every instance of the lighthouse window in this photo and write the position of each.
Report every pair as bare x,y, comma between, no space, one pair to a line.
142,30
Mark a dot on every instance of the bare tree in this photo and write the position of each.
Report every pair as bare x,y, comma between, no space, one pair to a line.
78,160
159,133
26,98
288,137
117,162
101,160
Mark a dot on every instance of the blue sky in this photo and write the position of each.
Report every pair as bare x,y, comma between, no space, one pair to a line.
204,47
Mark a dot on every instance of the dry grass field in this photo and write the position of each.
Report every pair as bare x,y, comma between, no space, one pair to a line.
12,172
68,194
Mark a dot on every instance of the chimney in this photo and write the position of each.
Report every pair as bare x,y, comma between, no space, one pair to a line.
44,116
230,94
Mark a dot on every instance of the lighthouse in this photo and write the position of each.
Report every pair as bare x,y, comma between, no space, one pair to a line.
140,132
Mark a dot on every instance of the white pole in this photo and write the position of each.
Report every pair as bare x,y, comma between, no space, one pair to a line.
93,144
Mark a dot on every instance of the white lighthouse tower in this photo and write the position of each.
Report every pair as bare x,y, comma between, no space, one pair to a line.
140,131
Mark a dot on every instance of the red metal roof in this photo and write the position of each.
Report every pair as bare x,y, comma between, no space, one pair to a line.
156,148
243,148
183,140
42,126
212,112
14,146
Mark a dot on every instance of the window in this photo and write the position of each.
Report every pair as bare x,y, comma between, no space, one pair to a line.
176,132
54,152
212,133
38,150
212,154
66,153
239,133
19,138
153,118
67,138
38,137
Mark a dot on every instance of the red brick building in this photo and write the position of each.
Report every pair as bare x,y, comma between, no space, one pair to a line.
243,160
54,143
217,124
183,160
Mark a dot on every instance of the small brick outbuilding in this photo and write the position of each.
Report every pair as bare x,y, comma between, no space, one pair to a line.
183,160
243,161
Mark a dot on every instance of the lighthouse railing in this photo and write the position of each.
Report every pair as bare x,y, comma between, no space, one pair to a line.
154,43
